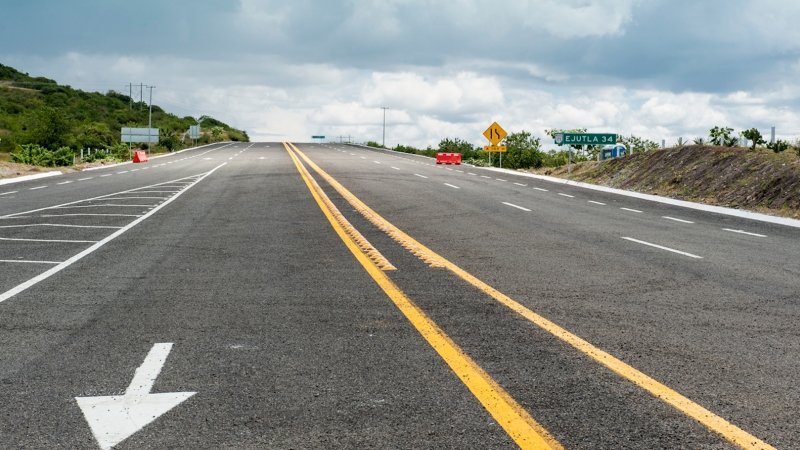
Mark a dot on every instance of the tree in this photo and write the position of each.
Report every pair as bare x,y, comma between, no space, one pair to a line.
456,145
216,132
94,135
523,151
636,144
754,136
722,136
778,146
48,128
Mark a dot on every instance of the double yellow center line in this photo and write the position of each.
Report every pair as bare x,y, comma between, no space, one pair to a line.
519,425
712,421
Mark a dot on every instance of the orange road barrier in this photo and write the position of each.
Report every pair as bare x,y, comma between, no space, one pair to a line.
139,156
448,158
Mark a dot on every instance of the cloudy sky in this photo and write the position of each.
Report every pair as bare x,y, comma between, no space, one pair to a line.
284,70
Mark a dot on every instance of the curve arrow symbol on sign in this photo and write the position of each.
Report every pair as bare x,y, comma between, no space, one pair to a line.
115,418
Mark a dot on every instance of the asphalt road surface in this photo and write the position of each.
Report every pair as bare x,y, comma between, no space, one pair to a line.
326,296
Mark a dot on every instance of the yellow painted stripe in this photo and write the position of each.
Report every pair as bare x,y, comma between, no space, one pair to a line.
519,425
712,421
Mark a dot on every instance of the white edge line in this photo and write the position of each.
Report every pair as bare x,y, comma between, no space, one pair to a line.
662,248
517,206
61,266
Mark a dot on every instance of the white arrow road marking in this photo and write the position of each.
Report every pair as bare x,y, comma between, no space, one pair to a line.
115,418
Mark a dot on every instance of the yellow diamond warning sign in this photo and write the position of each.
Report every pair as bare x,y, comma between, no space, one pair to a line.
495,133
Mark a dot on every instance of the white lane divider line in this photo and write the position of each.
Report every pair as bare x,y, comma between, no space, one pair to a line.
377,162
500,179
421,176
484,176
85,179
675,219
68,241
9,193
745,232
540,189
363,157
650,244
36,188
121,172
566,195
395,168
24,261
597,203
631,210
452,186
459,171
517,206
64,182
470,173
106,175
520,184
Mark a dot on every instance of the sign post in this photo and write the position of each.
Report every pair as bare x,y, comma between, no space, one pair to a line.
494,134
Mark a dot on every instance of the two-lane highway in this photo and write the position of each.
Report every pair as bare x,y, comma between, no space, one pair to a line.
325,296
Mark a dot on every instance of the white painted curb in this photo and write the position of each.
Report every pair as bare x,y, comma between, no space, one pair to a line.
30,177
744,214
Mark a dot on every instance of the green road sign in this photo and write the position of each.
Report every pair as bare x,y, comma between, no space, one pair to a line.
585,138
317,137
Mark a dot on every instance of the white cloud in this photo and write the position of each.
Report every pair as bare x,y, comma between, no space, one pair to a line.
464,93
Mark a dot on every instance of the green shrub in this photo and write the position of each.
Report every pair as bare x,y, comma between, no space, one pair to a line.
37,155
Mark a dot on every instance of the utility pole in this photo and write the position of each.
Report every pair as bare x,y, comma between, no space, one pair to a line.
150,118
383,141
130,96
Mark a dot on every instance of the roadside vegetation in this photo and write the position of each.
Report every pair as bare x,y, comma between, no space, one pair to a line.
46,124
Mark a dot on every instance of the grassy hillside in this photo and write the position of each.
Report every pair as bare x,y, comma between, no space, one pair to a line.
38,110
735,177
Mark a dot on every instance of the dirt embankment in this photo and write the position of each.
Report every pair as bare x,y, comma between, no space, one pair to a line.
733,177
13,170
